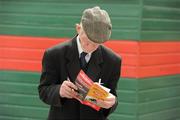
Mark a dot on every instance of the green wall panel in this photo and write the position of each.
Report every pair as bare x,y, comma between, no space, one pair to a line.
139,99
23,111
158,98
122,117
160,20
163,3
155,24
16,118
22,97
57,18
172,114
145,20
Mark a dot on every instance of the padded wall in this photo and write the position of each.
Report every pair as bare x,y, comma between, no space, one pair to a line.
145,34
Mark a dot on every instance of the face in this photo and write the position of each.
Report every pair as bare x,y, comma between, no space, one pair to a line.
86,44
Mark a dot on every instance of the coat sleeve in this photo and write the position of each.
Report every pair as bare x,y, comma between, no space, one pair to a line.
113,82
49,87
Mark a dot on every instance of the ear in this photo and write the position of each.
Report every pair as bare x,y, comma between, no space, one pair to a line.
78,28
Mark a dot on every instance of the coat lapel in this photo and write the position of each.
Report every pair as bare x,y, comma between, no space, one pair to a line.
72,56
73,65
94,68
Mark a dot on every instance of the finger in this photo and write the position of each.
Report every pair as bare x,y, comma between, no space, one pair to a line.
70,91
64,89
67,89
110,100
68,95
66,86
71,85
101,104
110,97
104,104
73,94
109,103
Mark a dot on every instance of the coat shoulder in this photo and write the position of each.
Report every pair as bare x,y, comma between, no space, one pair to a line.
109,54
59,49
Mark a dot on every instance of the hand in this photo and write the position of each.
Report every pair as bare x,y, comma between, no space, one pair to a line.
108,102
67,89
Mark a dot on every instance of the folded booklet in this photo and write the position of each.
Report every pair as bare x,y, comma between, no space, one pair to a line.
89,92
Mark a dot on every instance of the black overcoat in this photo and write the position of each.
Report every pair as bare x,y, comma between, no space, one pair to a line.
62,61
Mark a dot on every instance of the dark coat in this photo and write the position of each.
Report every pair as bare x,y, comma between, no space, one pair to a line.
61,62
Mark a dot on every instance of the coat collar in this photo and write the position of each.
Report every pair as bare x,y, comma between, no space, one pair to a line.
73,65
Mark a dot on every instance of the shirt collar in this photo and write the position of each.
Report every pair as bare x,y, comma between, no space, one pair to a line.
80,50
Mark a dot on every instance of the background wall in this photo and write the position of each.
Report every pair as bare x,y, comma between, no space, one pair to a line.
146,35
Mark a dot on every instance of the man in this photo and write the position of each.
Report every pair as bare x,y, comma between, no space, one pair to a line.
62,63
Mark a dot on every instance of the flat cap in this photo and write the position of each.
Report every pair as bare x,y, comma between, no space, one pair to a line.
96,24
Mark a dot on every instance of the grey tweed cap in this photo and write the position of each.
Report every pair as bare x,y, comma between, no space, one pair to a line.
96,24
